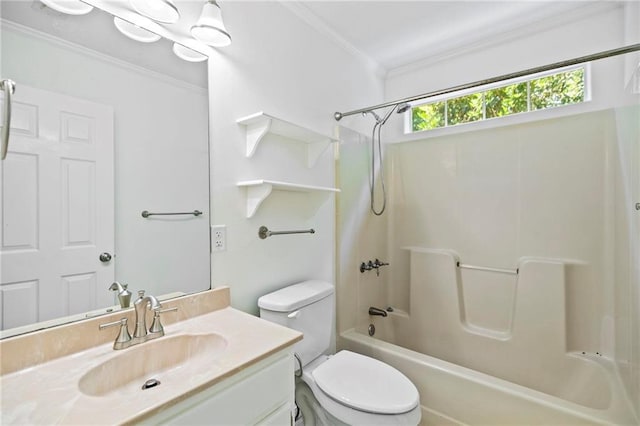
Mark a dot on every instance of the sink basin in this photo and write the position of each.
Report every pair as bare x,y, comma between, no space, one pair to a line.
158,359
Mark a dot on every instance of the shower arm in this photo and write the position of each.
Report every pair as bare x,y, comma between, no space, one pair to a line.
582,59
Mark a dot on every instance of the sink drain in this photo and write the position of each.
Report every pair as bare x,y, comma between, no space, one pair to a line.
151,383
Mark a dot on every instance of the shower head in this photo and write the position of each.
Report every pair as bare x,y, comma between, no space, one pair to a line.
399,108
403,107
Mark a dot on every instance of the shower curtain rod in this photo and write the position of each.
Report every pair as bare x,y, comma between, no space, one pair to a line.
575,61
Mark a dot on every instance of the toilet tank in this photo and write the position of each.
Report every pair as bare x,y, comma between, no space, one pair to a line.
307,307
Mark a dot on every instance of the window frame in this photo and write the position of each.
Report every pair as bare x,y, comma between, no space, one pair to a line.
408,115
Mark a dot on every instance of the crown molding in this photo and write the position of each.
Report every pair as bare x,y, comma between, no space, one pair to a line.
85,51
543,23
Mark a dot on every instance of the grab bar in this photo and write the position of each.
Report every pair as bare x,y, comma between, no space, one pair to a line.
484,268
146,213
9,88
263,232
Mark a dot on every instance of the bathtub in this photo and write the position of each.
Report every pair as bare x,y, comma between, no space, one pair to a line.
451,394
489,346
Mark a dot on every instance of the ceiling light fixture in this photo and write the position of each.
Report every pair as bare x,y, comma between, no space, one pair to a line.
210,29
70,7
187,54
159,10
135,32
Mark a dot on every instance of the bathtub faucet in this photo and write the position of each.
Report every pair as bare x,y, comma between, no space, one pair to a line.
376,264
377,311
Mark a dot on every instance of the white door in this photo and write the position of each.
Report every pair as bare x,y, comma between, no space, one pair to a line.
57,205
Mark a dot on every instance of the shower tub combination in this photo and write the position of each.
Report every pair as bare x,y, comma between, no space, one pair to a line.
509,366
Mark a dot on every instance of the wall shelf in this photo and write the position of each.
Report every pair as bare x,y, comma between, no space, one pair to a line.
258,125
259,190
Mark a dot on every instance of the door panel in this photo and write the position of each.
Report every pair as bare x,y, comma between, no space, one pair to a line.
57,208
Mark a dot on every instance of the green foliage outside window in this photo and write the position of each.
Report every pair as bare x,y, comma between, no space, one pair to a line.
557,89
506,100
464,109
428,116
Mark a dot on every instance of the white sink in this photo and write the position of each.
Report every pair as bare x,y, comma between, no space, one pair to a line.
162,358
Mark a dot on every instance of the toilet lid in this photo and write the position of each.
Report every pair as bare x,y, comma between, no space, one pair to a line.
366,384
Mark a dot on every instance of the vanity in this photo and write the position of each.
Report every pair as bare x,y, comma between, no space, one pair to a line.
214,365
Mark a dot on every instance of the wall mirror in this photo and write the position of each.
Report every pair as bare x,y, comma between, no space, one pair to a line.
103,128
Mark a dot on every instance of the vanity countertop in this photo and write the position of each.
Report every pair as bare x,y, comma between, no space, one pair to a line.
49,393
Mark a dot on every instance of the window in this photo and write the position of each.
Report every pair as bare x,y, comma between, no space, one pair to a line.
548,91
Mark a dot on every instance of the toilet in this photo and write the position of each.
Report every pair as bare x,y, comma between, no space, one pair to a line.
342,389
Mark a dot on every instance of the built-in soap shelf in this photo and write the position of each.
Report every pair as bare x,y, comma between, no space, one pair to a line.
259,125
259,190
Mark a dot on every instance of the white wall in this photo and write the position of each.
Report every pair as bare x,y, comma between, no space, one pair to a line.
279,65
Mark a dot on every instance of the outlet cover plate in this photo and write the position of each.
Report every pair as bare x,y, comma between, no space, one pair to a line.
218,238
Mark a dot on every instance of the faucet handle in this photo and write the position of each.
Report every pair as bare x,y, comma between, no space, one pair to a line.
156,329
123,340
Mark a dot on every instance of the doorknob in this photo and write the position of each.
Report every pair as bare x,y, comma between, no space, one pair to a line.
105,257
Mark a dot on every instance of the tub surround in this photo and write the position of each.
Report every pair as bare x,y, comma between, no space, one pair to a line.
45,386
535,197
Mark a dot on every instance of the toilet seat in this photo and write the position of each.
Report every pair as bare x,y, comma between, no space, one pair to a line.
365,384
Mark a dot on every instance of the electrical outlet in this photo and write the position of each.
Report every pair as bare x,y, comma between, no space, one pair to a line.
218,238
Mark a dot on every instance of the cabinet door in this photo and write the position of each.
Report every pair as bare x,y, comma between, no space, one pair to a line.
281,417
254,395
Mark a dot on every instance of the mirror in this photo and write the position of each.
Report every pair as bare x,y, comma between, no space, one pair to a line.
103,128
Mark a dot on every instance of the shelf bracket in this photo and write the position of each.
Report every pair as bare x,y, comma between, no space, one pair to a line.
255,132
255,196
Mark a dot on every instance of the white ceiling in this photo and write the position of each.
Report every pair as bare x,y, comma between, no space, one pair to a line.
391,34
394,34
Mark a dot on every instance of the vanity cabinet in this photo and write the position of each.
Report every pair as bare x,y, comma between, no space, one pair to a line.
262,394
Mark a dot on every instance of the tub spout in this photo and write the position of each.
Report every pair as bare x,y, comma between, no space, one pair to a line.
377,311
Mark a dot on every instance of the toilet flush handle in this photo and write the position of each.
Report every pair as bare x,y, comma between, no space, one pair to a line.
294,314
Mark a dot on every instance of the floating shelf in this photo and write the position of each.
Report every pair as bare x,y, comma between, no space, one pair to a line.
259,190
258,125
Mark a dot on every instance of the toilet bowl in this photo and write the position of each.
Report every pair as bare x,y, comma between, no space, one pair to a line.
354,389
345,388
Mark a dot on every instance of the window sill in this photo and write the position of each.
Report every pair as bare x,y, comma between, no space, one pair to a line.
510,120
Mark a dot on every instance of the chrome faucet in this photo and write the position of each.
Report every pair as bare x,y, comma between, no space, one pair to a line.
140,335
140,305
124,295
123,339
377,311
377,264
